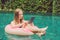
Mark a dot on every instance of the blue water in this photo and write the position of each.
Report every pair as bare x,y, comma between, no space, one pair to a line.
52,33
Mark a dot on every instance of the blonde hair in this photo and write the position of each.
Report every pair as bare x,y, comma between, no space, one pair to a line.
16,16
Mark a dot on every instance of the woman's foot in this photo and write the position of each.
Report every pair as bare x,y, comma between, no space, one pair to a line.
41,33
43,29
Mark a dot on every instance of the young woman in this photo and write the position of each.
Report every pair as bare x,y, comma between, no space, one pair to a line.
19,22
18,19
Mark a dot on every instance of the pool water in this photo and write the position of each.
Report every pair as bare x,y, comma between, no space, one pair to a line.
52,33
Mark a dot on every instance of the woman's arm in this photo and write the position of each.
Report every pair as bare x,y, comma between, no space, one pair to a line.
27,23
14,25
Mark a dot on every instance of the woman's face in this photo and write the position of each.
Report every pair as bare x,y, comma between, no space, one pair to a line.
20,15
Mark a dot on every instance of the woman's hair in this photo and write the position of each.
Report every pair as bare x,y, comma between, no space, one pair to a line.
16,16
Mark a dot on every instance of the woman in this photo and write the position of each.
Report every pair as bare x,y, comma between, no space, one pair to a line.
19,22
18,19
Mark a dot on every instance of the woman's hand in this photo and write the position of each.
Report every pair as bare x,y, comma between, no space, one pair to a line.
24,24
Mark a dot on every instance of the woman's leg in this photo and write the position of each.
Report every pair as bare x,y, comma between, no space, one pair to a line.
35,28
43,29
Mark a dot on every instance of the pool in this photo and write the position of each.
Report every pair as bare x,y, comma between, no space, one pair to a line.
53,23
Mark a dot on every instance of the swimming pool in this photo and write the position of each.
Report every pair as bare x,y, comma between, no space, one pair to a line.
53,23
